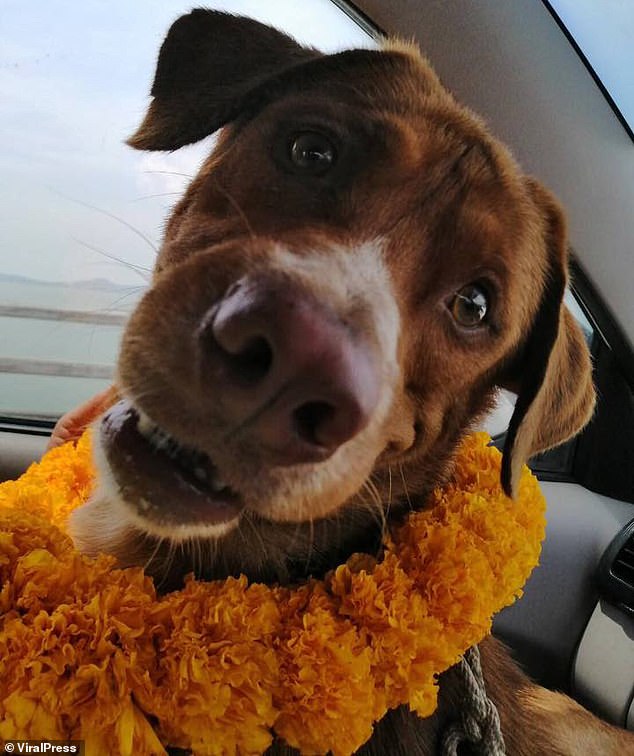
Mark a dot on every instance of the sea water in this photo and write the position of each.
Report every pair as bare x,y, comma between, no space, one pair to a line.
51,340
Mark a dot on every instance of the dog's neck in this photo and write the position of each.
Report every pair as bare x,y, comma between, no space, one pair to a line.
263,551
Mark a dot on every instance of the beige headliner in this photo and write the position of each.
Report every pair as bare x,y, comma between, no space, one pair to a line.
513,65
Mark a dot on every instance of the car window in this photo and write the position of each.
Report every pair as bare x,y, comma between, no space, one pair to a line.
602,32
81,213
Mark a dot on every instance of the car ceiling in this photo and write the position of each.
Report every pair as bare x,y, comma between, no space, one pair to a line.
512,64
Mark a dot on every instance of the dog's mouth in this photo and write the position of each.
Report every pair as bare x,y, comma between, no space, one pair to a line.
164,481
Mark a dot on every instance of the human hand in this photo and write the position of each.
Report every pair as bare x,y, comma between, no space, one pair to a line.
71,425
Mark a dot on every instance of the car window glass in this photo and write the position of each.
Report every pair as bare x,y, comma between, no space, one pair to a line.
603,30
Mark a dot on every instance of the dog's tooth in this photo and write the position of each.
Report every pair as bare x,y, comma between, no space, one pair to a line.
217,485
201,474
193,458
195,461
161,440
157,440
144,425
172,447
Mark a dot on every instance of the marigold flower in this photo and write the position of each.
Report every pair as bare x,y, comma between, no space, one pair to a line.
89,651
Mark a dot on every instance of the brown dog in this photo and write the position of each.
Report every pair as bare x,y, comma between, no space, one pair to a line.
355,269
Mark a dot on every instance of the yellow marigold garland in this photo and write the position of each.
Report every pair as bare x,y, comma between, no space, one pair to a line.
88,651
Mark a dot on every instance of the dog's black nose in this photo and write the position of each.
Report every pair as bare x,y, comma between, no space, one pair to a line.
287,370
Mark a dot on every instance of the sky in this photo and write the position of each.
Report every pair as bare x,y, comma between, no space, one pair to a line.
604,29
74,83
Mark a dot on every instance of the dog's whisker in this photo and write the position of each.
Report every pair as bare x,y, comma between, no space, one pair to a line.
311,542
152,557
161,571
201,557
373,506
378,483
236,206
257,534
169,173
188,547
405,490
114,217
371,503
156,196
197,556
207,554
380,508
296,535
143,390
169,561
133,291
140,270
190,556
372,484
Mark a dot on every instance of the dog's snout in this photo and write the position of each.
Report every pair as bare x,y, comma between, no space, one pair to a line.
291,373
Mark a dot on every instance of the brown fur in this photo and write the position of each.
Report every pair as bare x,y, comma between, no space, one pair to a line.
420,173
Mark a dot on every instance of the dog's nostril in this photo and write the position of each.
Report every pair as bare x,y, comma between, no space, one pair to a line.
310,418
252,363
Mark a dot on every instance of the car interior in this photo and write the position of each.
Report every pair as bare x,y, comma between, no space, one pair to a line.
522,68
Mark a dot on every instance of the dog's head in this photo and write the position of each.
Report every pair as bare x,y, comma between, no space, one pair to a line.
355,269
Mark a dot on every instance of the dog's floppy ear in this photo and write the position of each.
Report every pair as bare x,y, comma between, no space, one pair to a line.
207,65
553,373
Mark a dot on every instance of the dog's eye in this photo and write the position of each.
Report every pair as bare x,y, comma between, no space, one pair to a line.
469,306
312,152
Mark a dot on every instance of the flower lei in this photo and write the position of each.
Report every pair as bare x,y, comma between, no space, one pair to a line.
88,651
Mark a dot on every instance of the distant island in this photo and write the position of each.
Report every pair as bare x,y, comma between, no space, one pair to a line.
95,284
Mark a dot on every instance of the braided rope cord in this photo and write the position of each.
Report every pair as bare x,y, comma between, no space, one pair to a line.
479,722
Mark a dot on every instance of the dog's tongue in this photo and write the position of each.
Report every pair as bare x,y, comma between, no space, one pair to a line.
164,482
